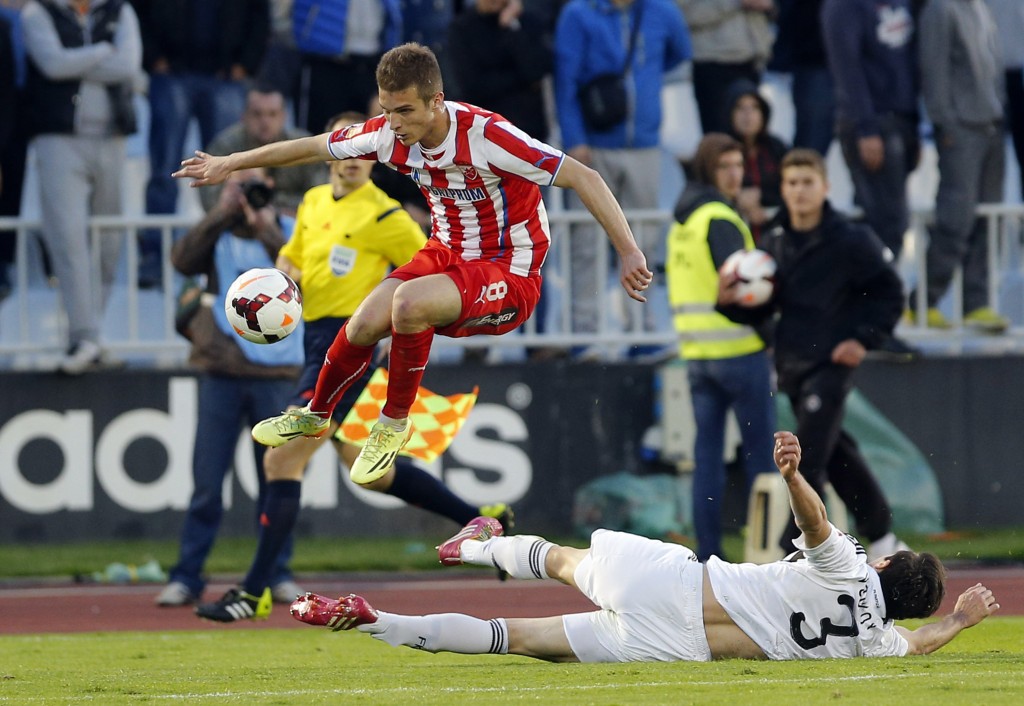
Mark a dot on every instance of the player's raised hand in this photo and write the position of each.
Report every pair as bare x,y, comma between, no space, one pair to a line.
787,453
635,277
204,169
974,605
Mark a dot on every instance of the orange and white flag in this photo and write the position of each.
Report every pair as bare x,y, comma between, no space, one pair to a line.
435,419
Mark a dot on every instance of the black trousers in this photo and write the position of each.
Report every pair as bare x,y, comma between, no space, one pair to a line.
712,82
818,397
330,86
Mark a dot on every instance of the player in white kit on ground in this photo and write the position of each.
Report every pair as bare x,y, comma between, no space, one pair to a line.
658,604
480,271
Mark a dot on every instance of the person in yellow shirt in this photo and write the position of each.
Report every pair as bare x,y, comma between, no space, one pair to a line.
348,234
727,365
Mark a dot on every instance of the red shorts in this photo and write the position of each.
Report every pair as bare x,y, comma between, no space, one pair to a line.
494,301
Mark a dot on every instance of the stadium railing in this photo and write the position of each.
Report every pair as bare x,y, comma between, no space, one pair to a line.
138,325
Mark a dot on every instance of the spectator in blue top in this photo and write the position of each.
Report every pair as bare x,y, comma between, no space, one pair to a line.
592,38
340,43
13,135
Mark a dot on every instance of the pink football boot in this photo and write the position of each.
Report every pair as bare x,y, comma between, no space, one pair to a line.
479,528
344,613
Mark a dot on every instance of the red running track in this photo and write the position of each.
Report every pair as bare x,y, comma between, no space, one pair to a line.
27,609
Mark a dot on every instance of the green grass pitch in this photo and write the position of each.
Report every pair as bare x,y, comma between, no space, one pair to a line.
982,667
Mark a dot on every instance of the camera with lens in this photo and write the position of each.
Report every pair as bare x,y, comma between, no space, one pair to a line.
258,193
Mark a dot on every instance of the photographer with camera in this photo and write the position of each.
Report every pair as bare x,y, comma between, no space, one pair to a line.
265,121
240,383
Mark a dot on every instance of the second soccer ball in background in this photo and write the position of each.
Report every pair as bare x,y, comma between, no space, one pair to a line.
755,271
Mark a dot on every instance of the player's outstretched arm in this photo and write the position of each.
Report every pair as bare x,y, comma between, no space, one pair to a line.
205,169
634,276
974,605
808,509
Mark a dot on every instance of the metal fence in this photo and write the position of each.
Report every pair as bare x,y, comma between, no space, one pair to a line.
138,324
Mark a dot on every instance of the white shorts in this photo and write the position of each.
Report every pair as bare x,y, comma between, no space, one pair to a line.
651,596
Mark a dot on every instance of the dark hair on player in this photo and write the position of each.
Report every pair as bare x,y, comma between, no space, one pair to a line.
709,151
913,585
410,65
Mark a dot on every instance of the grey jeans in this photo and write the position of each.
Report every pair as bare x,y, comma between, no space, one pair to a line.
80,177
971,165
633,177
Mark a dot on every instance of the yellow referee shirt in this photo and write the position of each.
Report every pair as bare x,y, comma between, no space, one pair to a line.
345,247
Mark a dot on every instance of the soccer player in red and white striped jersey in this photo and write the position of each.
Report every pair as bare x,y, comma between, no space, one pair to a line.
479,273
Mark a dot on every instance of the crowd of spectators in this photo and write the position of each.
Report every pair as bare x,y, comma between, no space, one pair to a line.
240,68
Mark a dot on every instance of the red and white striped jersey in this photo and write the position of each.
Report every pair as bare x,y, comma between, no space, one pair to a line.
482,183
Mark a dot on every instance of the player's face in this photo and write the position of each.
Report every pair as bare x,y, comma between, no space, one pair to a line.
729,174
804,190
414,120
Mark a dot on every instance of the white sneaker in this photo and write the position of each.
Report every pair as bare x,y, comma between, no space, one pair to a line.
285,592
83,356
886,546
175,594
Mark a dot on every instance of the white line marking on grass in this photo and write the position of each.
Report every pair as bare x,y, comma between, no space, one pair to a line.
511,689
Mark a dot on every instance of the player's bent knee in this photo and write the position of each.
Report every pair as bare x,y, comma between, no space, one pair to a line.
561,563
288,462
406,310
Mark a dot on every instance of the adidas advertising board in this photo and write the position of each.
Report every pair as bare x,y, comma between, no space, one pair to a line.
110,455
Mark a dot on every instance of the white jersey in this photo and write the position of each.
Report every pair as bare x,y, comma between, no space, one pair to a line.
482,183
826,604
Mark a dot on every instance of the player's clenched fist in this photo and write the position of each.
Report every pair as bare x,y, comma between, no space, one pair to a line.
786,453
975,604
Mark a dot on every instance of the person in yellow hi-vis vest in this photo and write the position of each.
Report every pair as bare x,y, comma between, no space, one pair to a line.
726,363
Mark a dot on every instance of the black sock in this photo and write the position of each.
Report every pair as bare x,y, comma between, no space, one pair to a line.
417,487
280,512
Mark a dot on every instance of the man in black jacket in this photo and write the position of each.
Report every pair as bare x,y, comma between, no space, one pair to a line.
837,296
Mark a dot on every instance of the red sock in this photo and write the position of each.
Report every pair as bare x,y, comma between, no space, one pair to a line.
344,364
409,353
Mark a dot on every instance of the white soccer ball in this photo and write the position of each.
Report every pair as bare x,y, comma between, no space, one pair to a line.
263,305
755,270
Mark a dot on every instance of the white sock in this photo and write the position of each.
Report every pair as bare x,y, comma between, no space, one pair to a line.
521,556
444,632
396,424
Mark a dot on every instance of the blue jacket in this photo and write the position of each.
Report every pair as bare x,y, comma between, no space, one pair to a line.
871,53
591,38
319,27
13,18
